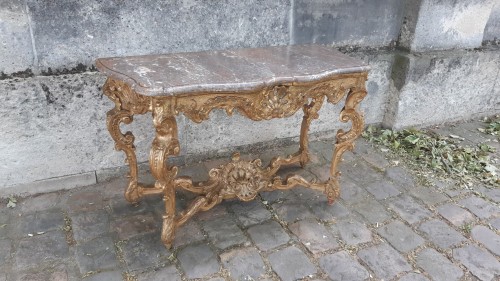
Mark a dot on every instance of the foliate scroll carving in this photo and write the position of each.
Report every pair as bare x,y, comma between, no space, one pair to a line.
243,179
127,103
345,140
271,102
125,98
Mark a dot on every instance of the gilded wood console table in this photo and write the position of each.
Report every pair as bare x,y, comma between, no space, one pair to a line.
261,83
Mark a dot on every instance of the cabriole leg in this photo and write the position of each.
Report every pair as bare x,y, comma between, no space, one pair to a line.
125,142
165,144
345,140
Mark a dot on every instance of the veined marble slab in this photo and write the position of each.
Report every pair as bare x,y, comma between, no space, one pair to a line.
228,70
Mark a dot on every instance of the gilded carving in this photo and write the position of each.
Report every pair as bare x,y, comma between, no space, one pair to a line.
238,178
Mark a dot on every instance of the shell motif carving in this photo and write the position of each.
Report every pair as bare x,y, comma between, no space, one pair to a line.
243,179
279,102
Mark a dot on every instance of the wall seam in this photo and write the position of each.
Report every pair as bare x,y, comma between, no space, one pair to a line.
290,22
35,54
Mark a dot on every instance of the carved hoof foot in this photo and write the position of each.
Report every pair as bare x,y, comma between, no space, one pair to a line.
332,190
167,245
168,231
133,193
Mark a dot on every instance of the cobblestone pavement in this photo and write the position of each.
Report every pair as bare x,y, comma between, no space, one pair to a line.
385,226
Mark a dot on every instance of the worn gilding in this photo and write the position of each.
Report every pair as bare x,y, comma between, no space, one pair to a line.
282,80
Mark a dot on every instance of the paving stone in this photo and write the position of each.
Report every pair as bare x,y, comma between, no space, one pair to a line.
409,209
351,192
224,233
165,273
295,169
400,236
122,208
85,200
428,195
495,223
492,193
198,261
278,196
438,266
487,237
128,227
291,264
268,235
384,261
96,255
326,212
291,212
342,267
400,176
368,173
250,213
322,172
199,171
144,251
382,189
480,207
5,251
187,234
441,234
40,202
353,232
305,194
57,273
414,277
115,186
182,200
41,249
480,263
455,190
372,210
314,236
372,156
212,214
40,222
108,276
243,264
324,150
89,225
454,214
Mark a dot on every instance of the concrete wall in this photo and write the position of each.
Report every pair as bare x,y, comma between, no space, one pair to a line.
53,111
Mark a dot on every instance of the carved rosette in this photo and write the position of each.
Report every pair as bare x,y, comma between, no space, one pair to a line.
242,179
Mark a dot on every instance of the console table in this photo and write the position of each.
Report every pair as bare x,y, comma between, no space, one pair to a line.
260,83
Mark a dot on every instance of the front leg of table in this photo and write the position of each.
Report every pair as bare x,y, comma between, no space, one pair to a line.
165,144
127,103
345,140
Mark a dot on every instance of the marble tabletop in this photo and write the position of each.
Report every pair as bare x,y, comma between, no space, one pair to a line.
228,70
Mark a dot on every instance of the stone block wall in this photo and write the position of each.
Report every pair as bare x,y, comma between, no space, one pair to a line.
433,61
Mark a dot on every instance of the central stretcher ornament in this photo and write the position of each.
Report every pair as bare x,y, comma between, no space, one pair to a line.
261,84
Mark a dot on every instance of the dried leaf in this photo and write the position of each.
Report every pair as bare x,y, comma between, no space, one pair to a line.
456,137
11,204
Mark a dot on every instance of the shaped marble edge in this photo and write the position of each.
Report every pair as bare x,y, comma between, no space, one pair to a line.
357,66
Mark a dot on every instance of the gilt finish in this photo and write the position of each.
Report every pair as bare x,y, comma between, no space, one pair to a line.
282,96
